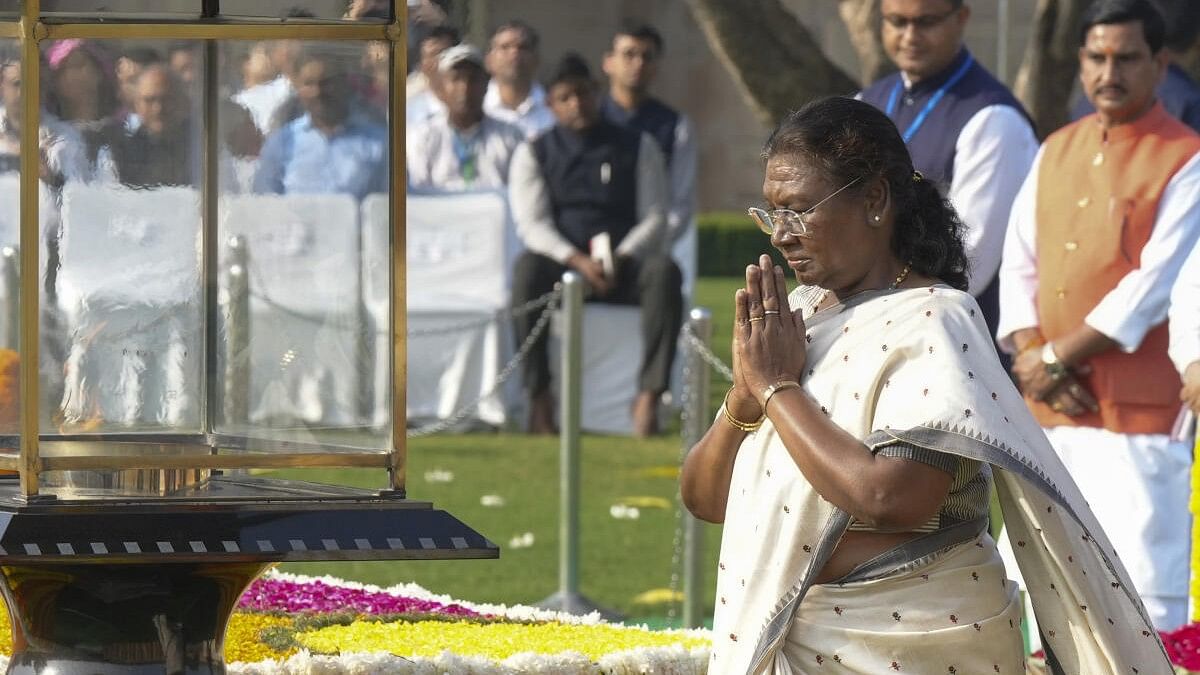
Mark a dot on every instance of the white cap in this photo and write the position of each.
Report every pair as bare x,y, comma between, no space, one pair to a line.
457,54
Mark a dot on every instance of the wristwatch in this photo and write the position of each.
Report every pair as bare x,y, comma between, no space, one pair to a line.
1056,369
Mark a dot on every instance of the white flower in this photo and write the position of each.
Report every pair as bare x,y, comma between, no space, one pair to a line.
622,512
521,541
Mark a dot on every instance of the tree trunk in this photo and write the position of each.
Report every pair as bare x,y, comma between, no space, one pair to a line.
1047,73
770,53
862,18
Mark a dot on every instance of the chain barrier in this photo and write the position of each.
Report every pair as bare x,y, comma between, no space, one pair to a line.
551,303
705,353
695,351
506,314
342,322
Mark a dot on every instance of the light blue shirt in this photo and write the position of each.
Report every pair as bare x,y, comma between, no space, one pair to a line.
299,159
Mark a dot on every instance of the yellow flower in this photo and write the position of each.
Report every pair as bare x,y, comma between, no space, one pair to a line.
496,641
243,638
658,596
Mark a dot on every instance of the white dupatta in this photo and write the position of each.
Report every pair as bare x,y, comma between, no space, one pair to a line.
918,365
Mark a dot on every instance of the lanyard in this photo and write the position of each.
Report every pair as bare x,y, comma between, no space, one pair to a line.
933,100
464,151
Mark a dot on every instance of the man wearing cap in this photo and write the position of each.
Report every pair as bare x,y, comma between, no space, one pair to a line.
965,130
579,190
1098,234
461,148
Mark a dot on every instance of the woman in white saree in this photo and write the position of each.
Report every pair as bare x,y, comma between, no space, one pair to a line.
868,422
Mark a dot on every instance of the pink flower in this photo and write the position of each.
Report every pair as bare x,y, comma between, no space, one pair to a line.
267,595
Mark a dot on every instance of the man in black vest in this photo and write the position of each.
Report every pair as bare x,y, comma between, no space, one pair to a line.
965,130
581,182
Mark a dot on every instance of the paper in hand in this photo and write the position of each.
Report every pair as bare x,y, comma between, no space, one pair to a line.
601,251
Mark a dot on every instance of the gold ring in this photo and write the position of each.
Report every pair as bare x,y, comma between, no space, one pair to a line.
755,318
770,311
1056,407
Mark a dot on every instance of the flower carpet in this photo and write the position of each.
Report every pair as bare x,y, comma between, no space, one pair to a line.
293,625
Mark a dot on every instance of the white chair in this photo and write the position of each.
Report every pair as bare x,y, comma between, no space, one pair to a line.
310,346
612,353
460,250
130,290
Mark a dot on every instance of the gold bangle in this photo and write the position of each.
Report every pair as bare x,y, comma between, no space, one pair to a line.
775,389
748,427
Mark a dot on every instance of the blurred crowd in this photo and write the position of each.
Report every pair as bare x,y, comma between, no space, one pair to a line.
600,178
292,116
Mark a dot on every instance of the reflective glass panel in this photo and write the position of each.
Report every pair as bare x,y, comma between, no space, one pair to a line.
304,232
10,238
115,9
121,135
351,10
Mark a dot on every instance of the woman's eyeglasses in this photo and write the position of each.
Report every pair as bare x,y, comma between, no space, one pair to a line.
790,221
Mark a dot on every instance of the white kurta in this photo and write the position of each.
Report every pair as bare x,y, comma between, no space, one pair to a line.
1185,313
992,156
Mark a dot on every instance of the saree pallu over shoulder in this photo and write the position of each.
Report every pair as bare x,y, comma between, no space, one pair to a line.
916,366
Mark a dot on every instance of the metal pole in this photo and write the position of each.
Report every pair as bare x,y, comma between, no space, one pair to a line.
10,276
398,457
237,335
570,388
32,31
210,193
695,422
570,392
1002,40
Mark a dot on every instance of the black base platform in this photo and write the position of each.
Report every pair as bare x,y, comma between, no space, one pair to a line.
125,586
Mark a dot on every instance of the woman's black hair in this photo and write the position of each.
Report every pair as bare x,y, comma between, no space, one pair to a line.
849,139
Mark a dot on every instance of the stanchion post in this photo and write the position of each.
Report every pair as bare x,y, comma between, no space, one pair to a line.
570,392
695,422
237,331
10,276
568,598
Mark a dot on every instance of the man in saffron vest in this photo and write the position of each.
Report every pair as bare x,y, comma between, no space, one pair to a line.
1098,234
965,130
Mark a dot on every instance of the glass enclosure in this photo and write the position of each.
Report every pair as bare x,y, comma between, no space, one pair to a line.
213,233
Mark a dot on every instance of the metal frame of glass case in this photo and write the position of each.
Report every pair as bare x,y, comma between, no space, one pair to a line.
223,451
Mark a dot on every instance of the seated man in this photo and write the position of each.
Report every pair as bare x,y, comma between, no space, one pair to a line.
461,148
582,178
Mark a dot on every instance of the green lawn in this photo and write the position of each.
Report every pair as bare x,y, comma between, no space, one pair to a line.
620,558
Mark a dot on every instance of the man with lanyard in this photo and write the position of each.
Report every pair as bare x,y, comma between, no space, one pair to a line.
461,148
1098,234
631,64
582,181
965,130
513,95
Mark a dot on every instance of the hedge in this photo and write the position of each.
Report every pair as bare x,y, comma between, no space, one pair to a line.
728,241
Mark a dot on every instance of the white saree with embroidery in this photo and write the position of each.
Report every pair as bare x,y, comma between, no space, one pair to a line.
917,366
